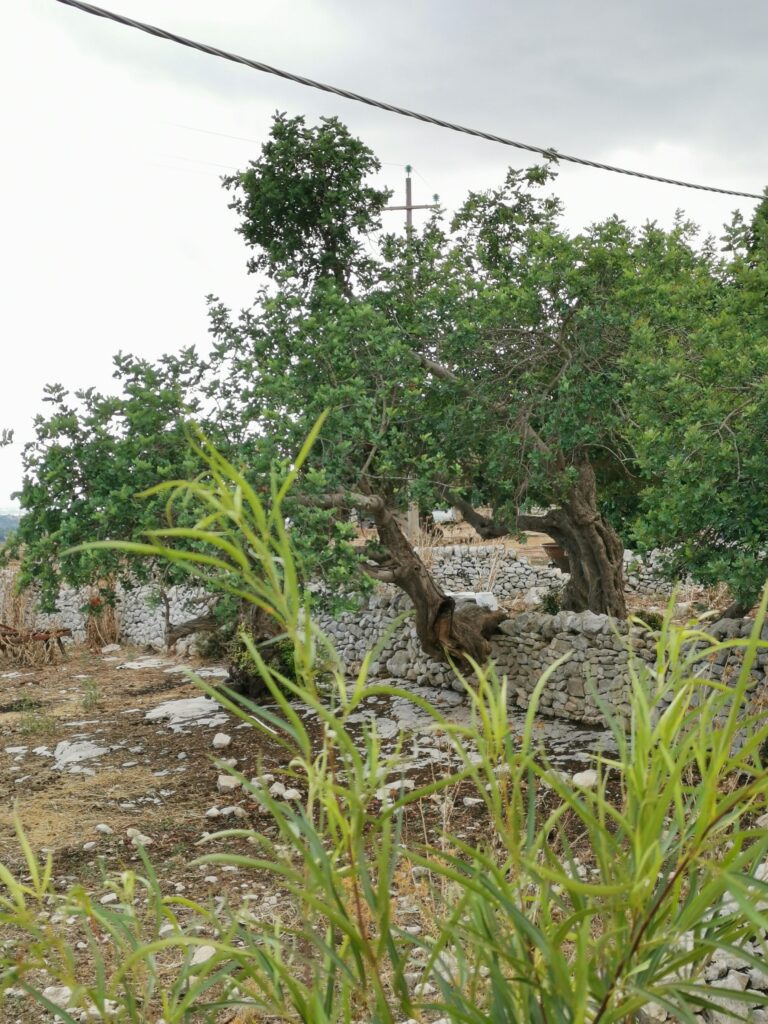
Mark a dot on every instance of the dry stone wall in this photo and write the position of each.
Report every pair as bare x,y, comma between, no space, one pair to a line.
599,649
528,644
489,567
140,613
141,618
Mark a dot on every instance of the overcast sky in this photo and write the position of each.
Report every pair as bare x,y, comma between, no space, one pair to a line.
114,223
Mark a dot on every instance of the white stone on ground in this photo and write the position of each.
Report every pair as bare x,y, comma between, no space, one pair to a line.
227,783
651,1013
586,779
221,740
69,756
142,663
188,711
737,981
59,995
202,954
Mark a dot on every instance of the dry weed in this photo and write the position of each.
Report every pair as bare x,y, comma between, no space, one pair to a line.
101,623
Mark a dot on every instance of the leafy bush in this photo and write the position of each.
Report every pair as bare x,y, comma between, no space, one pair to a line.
551,602
525,927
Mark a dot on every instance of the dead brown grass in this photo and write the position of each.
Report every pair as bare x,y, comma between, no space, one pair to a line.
18,606
102,627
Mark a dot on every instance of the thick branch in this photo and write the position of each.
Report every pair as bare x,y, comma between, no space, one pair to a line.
437,369
370,503
202,624
486,527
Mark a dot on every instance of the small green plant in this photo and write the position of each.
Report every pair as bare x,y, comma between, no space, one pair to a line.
25,702
92,695
32,723
552,602
523,924
654,621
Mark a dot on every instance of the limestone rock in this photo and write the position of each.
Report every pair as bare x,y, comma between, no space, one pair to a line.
59,995
227,783
398,664
586,779
202,954
651,1013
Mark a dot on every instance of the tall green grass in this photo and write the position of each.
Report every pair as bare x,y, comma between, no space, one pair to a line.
573,905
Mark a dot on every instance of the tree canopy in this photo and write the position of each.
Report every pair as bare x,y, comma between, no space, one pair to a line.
590,385
699,406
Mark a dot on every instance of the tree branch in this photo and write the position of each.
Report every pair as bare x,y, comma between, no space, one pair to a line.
486,527
370,503
379,572
437,369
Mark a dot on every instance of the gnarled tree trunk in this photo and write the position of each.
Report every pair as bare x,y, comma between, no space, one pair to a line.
443,629
595,551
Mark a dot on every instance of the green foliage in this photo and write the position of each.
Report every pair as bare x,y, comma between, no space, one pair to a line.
698,402
489,358
523,926
551,602
92,695
87,462
653,620
303,203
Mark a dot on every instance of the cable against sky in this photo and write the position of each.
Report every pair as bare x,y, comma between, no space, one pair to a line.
548,153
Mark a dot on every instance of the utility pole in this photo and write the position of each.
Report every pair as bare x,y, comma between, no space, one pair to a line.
412,521
409,204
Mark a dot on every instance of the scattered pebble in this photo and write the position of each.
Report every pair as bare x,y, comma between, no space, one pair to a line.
227,783
586,779
202,954
59,995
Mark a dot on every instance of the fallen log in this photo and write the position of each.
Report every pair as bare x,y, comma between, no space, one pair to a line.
17,643
202,624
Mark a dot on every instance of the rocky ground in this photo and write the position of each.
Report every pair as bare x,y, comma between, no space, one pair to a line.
103,752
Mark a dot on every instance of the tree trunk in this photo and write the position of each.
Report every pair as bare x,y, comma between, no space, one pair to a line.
594,549
201,624
262,628
443,630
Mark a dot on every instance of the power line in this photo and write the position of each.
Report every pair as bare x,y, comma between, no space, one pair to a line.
207,131
550,154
